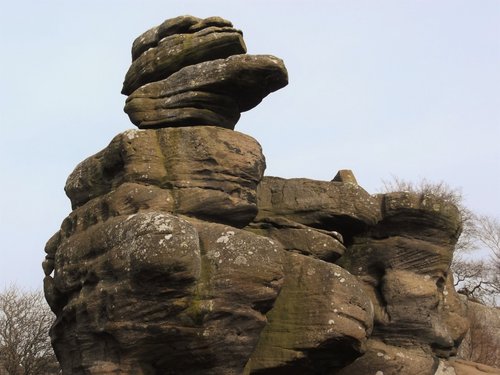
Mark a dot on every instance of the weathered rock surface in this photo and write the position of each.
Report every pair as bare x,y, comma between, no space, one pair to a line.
178,25
311,217
345,175
190,71
381,358
152,293
179,257
333,206
139,287
318,243
209,93
404,263
207,172
177,43
318,324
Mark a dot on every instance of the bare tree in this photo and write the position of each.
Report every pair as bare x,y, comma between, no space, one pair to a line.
488,233
475,279
25,346
482,342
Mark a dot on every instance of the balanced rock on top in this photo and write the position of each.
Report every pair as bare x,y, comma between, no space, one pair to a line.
191,71
179,42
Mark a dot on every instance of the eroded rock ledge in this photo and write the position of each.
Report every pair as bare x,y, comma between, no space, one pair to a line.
180,257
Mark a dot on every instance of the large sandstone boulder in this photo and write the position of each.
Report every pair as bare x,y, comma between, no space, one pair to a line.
191,71
153,293
207,172
177,43
146,282
208,93
318,324
404,263
179,257
144,279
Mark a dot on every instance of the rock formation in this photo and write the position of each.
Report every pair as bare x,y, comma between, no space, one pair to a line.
180,257
190,71
403,263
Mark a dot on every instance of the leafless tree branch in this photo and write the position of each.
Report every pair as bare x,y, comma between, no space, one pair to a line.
25,346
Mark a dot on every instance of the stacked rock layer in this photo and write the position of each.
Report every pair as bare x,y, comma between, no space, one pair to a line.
180,257
190,71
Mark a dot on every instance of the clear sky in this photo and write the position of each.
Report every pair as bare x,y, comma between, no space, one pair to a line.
404,88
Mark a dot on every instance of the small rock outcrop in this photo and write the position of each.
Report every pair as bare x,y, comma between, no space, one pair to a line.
180,257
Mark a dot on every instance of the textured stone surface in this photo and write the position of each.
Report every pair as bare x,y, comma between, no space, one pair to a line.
408,253
333,206
117,282
382,359
154,293
404,263
178,25
194,72
177,43
295,237
180,258
207,172
345,175
130,290
318,324
200,297
208,93
139,289
313,217
422,216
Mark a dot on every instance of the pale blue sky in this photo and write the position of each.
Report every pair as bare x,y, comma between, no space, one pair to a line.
405,88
